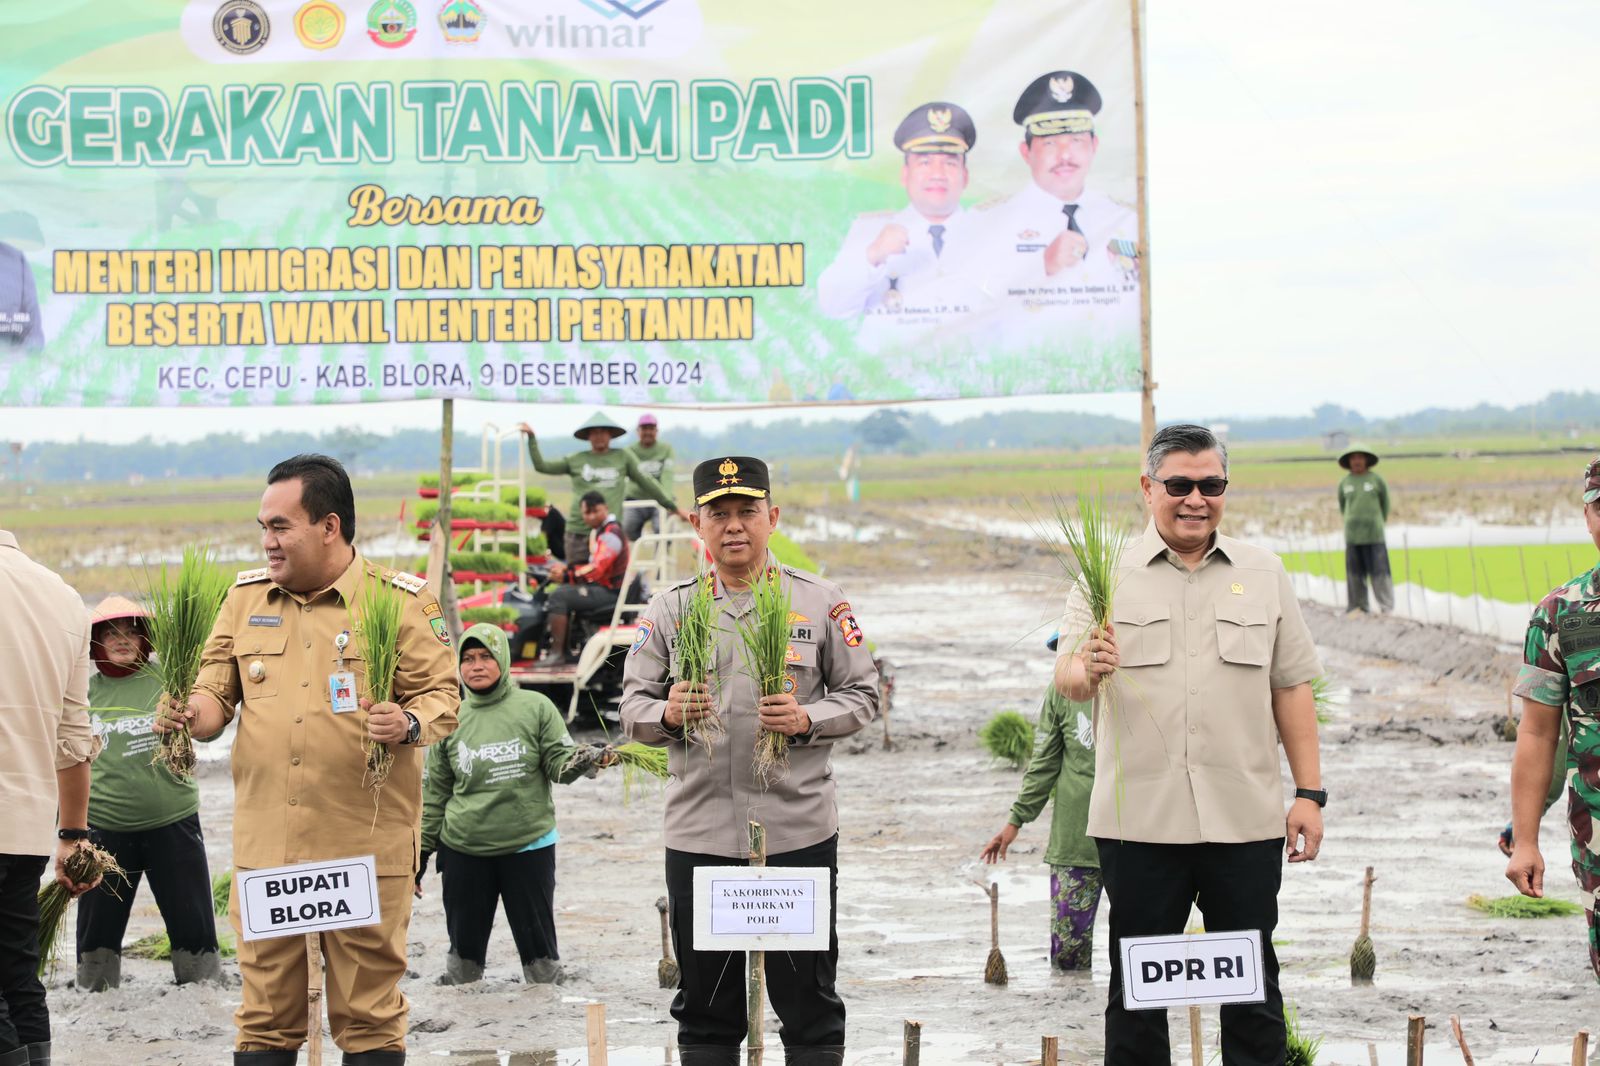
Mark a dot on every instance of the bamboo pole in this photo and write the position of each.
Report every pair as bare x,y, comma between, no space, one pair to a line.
595,1016
314,999
446,587
1147,394
1580,1048
1372,1054
1050,1051
1197,1054
1461,1040
1414,1039
911,1049
1405,541
755,1012
1472,564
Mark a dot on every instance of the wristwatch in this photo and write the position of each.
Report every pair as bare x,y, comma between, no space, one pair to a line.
413,730
1319,796
72,834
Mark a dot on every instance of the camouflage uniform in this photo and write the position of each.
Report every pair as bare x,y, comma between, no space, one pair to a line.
1561,668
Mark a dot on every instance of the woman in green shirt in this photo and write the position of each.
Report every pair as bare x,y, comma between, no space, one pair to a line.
140,813
601,469
1063,768
488,812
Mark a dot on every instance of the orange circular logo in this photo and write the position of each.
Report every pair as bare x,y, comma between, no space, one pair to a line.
319,24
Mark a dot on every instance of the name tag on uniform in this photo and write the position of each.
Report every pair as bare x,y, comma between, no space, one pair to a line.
342,692
273,620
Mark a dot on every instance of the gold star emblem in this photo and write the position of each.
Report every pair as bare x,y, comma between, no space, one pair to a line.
728,468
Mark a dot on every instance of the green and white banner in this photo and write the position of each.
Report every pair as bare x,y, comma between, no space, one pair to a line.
618,201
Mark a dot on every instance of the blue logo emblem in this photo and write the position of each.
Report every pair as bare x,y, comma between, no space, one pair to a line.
634,9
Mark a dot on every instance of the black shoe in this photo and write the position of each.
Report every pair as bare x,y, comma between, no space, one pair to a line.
827,1055
709,1054
39,1054
374,1058
275,1057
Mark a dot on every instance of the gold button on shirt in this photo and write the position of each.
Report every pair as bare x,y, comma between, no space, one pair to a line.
297,766
1193,752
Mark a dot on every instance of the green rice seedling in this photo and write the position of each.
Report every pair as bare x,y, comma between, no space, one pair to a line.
182,609
470,511
495,616
537,496
221,893
431,481
379,633
1302,1049
1523,906
1322,694
789,553
764,636
158,947
83,866
697,649
1009,737
638,762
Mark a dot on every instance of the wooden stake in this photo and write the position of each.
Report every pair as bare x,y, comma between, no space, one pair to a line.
1580,1048
1147,394
1461,1041
666,969
1197,1054
1414,1039
1372,1054
314,999
1050,1051
441,583
911,1050
755,1011
596,1018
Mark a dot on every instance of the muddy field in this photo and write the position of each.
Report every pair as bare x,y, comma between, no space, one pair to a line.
1419,790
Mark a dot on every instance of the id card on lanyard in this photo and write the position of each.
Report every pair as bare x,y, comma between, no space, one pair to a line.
342,683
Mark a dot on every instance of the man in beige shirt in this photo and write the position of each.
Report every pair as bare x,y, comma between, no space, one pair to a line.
44,784
1205,668
830,691
284,632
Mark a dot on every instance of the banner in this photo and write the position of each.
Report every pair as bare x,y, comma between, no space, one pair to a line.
231,202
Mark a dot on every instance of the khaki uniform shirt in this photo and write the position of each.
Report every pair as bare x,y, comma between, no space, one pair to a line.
712,796
44,698
1186,746
297,766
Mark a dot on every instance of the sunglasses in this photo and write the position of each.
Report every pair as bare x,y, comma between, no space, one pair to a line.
1182,486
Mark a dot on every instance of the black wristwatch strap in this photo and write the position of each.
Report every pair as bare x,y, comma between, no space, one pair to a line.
72,834
1319,796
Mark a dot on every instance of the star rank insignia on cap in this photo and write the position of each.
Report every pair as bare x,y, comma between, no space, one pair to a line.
728,468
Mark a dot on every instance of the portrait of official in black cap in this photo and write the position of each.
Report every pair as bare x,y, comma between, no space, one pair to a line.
907,260
1058,227
21,329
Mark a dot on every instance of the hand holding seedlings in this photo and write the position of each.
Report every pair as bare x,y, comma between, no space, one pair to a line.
66,868
386,722
1099,656
781,714
687,702
170,717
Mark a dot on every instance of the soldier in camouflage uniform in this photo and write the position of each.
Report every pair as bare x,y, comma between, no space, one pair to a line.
1561,673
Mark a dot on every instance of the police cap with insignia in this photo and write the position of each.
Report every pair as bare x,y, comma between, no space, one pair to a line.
735,475
1062,101
936,127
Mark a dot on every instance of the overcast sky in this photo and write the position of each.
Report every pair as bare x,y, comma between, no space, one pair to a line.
1382,205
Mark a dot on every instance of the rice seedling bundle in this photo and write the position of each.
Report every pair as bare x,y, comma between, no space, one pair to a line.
431,481
994,967
537,496
158,947
764,635
379,633
1523,907
221,893
1009,737
470,511
1322,697
697,648
182,609
86,863
495,616
1302,1050
638,761
1363,956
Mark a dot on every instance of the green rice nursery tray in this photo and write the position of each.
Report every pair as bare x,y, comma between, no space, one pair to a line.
470,511
495,616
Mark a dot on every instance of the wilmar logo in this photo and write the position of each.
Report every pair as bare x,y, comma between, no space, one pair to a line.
579,28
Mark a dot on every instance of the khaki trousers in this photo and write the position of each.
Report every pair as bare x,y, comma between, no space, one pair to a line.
363,967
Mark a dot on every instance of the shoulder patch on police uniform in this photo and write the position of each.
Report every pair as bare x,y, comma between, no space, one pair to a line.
250,577
402,580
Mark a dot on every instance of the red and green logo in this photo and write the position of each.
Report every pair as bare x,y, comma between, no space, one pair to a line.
392,23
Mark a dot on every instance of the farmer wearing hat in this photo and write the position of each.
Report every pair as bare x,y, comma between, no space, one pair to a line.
1561,677
655,459
830,690
139,812
898,261
1364,502
601,469
1062,771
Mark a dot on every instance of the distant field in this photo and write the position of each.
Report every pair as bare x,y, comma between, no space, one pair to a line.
1521,574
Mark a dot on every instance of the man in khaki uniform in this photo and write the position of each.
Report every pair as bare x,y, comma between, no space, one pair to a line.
298,765
831,691
1188,798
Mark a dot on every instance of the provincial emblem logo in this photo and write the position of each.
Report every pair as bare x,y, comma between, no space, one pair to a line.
461,21
241,26
392,23
319,24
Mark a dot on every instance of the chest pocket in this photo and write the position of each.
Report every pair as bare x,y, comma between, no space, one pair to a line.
259,654
1144,633
801,663
1243,636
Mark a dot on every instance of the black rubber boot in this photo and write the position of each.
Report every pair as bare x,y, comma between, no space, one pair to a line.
374,1058
825,1055
275,1057
708,1054
99,970
15,1057
39,1054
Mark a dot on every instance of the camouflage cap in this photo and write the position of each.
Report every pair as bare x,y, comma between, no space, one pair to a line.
1591,481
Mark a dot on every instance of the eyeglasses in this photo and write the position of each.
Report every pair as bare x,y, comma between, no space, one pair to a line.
1182,486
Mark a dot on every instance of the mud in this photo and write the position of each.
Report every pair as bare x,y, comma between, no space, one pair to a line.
1419,787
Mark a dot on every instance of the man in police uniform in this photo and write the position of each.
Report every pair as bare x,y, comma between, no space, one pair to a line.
1561,677
1058,230
914,259
832,691
20,327
284,633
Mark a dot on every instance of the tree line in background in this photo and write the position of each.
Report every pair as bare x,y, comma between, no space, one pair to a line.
884,430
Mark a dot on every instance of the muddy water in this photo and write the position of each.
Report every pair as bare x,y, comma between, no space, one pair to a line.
1419,792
